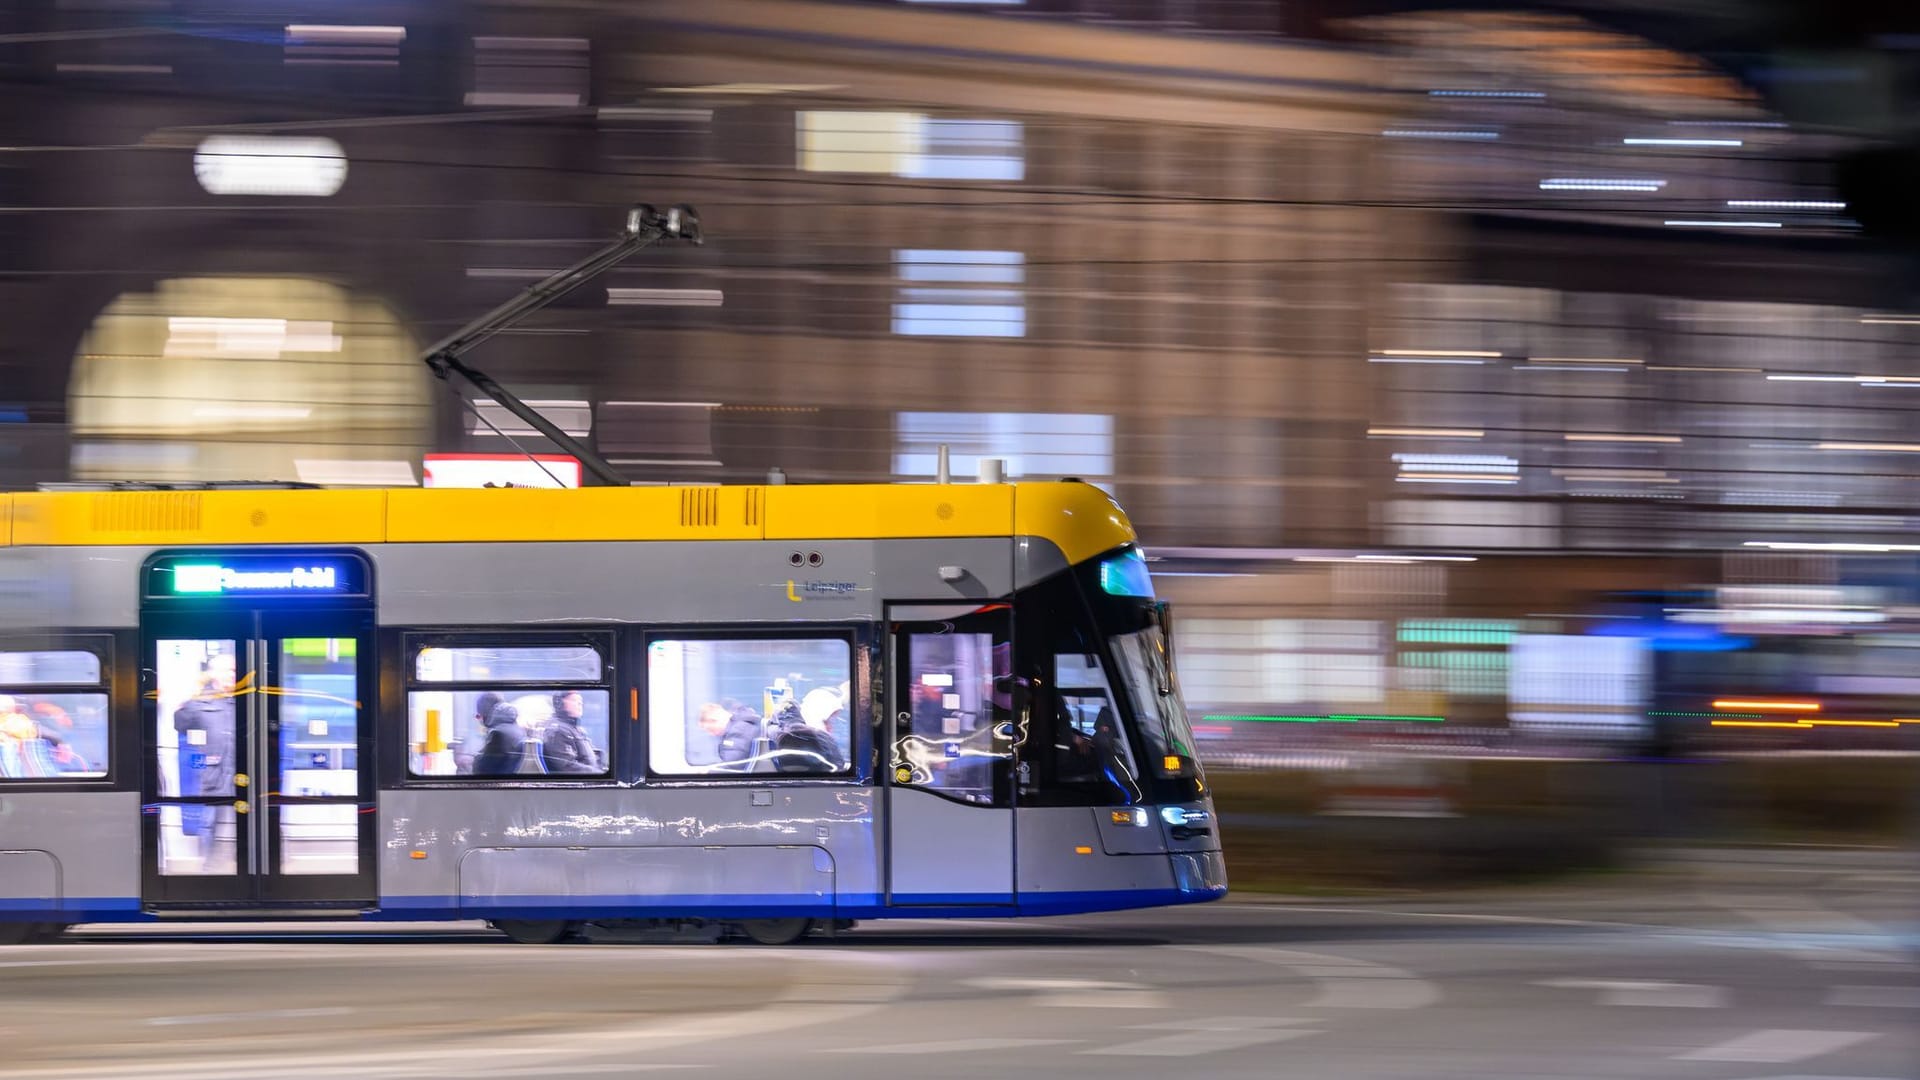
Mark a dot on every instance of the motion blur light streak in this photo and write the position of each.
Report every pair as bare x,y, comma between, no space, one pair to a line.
252,412
1422,360
1596,437
1584,366
630,297
347,472
1427,433
1785,204
318,32
247,339
1890,448
1321,718
1683,142
1573,184
1795,545
1767,706
1411,133
1440,352
1442,478
1725,224
1616,476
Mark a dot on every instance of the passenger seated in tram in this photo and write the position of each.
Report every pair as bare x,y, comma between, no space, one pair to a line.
469,745
32,748
808,745
505,748
739,730
565,747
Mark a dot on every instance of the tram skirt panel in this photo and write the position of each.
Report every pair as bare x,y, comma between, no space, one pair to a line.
646,882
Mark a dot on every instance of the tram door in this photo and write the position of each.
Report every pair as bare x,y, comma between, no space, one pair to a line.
949,756
257,734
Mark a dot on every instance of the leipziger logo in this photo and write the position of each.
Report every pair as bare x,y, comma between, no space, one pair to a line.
799,592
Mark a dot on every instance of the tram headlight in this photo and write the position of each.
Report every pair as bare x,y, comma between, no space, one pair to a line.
1180,815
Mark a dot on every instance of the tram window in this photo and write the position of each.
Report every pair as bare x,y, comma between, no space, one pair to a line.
726,706
955,733
525,733
1088,746
49,666
51,727
508,663
1078,749
492,709
52,736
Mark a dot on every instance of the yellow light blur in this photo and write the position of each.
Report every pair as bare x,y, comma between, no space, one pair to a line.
1746,705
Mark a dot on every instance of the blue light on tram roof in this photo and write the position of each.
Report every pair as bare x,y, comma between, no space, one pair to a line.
1126,575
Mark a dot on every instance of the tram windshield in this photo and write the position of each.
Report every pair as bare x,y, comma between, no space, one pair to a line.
1120,593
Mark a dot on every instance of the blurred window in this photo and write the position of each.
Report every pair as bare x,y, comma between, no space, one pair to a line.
506,663
971,150
1254,665
530,71
40,667
54,720
657,432
573,418
730,706
1033,444
911,145
960,293
269,165
510,709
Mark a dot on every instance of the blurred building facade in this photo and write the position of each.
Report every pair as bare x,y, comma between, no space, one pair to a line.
1464,284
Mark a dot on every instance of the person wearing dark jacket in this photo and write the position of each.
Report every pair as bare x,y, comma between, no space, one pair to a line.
566,747
808,746
506,743
738,740
206,740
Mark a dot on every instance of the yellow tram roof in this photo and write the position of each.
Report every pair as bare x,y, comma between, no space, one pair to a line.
1080,519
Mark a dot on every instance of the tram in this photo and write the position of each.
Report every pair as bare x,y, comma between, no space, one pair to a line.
773,709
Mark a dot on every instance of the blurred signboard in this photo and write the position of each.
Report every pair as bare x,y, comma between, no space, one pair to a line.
501,470
1571,684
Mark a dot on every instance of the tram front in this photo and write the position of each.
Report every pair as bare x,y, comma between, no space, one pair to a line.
1041,762
1104,730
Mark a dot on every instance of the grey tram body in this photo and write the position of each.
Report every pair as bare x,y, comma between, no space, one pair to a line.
630,847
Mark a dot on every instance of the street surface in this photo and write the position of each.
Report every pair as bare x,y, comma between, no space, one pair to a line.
1729,966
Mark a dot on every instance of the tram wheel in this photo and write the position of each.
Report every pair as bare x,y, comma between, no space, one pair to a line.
776,931
534,931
